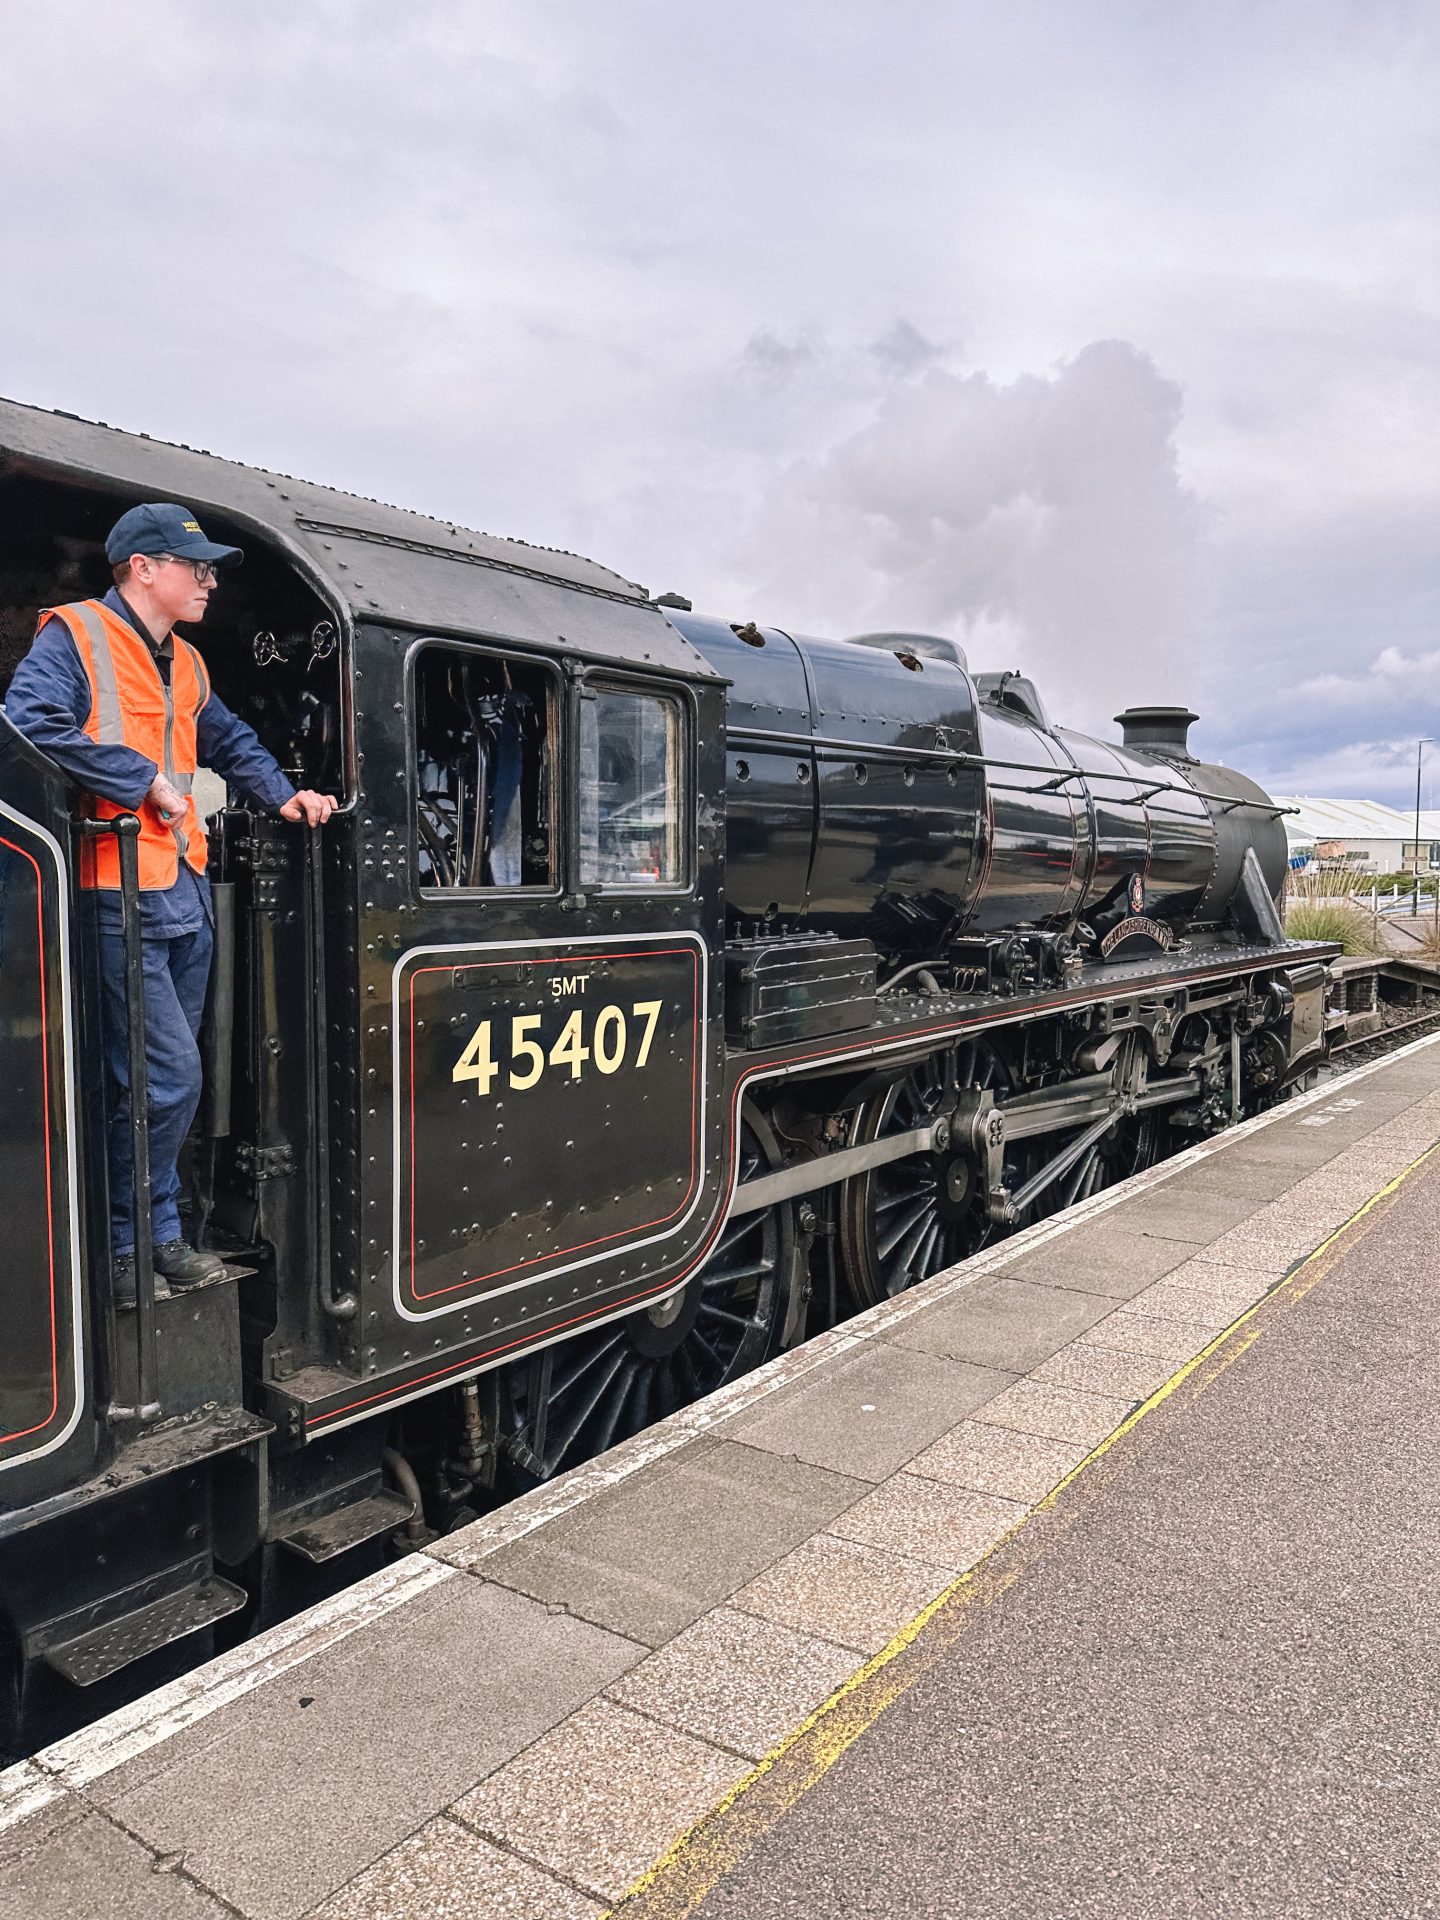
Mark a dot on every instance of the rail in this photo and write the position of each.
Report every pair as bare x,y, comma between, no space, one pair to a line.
126,829
337,1306
1052,778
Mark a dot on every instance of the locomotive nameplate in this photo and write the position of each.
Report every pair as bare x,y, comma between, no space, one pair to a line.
1137,935
550,1102
41,1384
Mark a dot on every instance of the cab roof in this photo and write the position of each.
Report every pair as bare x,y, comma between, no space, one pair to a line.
382,563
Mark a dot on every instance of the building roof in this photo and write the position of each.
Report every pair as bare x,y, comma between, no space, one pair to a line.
1354,820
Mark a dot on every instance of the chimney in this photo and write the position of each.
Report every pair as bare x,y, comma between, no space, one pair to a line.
1159,730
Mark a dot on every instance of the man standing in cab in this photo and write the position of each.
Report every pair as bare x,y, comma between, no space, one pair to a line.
122,702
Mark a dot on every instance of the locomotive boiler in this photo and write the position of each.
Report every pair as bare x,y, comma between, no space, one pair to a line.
664,987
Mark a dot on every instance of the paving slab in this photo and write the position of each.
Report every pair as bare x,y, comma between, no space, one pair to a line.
1105,1258
598,1798
736,1681
842,1590
1174,1340
1233,1174
1281,1233
1122,1376
947,1525
1170,1213
446,1872
868,1415
1005,1322
1227,1285
676,1538
322,1771
1292,1146
69,1862
1056,1413
1208,1308
1000,1460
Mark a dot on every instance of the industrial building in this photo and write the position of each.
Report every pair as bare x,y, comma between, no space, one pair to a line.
1363,834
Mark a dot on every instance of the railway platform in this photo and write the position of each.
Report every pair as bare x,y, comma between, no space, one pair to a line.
1093,1576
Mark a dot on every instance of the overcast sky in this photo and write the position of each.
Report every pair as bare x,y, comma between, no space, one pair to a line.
1104,335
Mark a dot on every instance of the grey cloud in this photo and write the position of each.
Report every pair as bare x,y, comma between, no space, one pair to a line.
685,287
903,348
1044,516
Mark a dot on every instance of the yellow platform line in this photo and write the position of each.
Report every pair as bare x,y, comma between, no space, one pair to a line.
694,1865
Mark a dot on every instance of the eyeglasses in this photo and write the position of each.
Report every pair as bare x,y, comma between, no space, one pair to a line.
203,570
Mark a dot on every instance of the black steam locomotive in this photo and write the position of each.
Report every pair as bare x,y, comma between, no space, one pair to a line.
663,984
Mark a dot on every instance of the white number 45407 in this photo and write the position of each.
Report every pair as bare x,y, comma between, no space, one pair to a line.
608,1043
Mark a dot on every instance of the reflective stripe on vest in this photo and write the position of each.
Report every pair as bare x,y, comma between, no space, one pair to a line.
110,730
132,706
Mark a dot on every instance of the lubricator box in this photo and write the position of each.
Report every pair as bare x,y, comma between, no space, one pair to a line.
797,987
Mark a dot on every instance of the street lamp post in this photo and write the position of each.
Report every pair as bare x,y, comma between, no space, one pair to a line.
1420,747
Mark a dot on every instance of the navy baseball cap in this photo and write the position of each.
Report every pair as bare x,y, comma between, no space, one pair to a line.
160,526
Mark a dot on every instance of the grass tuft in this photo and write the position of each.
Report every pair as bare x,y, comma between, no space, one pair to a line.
1351,930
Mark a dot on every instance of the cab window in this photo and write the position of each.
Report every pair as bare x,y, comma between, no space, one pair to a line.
483,733
630,788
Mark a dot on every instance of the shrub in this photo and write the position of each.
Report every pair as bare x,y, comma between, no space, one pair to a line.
1348,928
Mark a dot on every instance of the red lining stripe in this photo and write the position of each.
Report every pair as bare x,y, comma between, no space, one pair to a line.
23,1433
561,1253
473,1360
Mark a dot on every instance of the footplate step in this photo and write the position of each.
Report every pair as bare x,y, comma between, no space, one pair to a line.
103,1650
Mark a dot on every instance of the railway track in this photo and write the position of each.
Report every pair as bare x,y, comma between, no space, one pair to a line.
1370,1046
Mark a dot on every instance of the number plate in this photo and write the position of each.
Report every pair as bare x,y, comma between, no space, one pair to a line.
550,1105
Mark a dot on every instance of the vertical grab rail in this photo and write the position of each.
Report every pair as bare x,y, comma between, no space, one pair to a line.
126,829
339,1306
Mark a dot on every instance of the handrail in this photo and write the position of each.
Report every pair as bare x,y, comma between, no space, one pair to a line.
895,750
339,1306
126,829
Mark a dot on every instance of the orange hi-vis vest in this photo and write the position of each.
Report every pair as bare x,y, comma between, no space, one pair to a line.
131,706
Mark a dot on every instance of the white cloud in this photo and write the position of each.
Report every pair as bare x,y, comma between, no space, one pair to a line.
1393,679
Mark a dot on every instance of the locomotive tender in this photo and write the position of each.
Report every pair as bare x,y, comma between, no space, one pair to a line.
661,983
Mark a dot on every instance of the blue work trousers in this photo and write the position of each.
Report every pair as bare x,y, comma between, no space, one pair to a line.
177,972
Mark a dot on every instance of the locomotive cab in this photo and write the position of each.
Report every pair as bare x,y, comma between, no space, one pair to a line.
463,1069
272,643
151,1402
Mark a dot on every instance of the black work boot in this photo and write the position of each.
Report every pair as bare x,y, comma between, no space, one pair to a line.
122,1268
186,1266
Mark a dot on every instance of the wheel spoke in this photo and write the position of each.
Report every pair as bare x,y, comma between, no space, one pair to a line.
557,1449
903,1259
697,1339
894,1234
904,1197
732,1276
562,1383
640,1398
611,1425
709,1311
925,1261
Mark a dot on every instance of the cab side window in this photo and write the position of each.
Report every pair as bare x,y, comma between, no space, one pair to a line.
631,773
483,741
